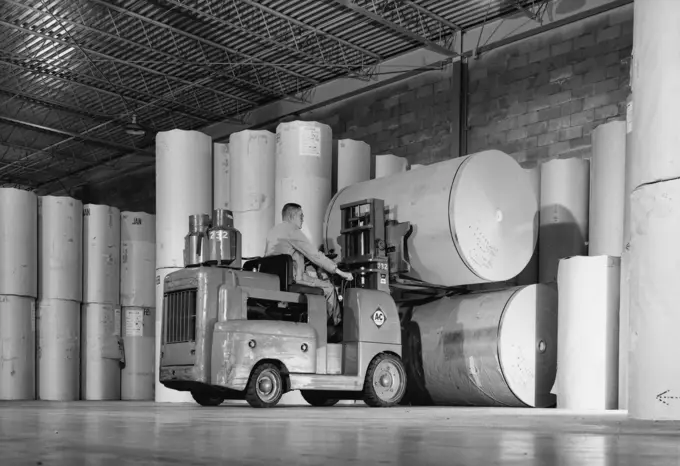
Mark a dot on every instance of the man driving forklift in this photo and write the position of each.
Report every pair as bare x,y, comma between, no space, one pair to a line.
287,238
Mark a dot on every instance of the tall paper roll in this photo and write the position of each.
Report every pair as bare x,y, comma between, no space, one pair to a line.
221,177
100,352
529,275
58,350
352,163
18,242
564,214
253,163
60,248
303,172
137,259
101,254
137,377
183,187
588,333
654,374
388,164
17,348
607,193
163,394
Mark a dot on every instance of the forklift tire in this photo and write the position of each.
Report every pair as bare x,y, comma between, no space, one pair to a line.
318,398
206,399
385,383
265,387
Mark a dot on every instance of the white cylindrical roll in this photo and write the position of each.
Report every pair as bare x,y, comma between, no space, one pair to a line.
466,228
416,166
588,333
388,165
137,259
137,377
183,187
163,394
60,248
497,348
17,348
304,159
563,215
654,374
101,254
18,242
655,79
58,350
100,352
529,275
624,328
352,163
632,170
221,177
253,163
607,190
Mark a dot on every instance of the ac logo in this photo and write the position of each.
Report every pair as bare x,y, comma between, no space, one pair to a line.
379,318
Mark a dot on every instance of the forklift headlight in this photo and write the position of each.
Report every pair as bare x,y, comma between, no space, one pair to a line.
252,343
304,347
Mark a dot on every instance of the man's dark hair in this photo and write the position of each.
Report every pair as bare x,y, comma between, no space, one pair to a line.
289,210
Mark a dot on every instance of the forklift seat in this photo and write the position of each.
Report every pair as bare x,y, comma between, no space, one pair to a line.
282,266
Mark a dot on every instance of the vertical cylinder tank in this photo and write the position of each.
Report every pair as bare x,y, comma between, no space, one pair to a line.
466,228
18,242
58,350
221,176
352,163
100,352
101,254
496,348
388,165
137,259
17,348
139,332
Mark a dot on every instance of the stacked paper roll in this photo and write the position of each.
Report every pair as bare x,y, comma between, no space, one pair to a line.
163,394
253,163
529,275
58,350
183,187
588,333
388,164
138,300
563,215
352,163
18,290
303,172
221,177
101,352
60,292
101,254
607,189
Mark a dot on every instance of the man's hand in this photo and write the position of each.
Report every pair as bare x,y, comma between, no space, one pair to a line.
345,275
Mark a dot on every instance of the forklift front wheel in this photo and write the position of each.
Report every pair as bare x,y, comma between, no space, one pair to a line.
265,387
385,383
206,398
318,398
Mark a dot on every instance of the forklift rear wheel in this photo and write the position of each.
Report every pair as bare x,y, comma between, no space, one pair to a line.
318,398
206,398
385,383
265,387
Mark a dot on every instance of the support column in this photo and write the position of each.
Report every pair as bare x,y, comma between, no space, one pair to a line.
654,377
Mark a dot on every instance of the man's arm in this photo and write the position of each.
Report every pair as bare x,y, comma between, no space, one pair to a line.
301,244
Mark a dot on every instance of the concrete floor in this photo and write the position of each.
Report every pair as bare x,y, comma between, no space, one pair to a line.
121,433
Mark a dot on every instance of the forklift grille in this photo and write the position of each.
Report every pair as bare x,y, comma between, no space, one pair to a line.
180,316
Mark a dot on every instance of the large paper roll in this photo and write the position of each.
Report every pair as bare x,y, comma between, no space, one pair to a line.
588,333
253,163
529,275
137,259
58,350
184,180
60,248
221,177
304,158
18,242
137,377
497,348
388,165
654,374
101,254
100,352
564,214
607,190
352,163
163,394
17,348
466,228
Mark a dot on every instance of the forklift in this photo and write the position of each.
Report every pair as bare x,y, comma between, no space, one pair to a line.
251,332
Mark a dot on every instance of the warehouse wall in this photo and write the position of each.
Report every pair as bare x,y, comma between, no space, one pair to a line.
535,99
